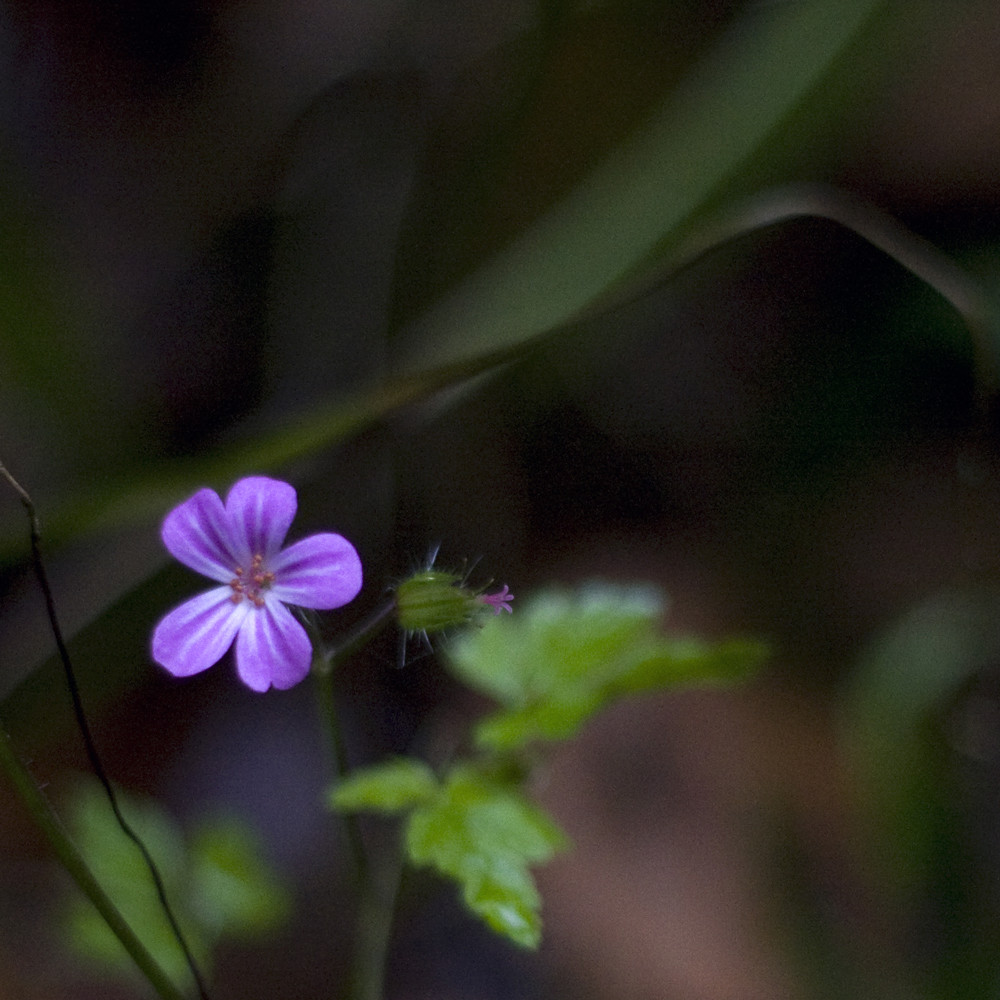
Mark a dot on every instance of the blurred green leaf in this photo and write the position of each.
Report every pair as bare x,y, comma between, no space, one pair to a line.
43,354
892,711
232,892
921,736
484,834
120,869
146,494
219,887
393,786
565,656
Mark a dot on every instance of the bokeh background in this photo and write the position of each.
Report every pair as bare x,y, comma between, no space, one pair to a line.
218,218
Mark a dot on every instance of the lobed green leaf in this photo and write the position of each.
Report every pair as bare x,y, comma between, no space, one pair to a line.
485,835
566,656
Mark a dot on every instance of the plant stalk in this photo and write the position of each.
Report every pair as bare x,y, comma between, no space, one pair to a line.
47,821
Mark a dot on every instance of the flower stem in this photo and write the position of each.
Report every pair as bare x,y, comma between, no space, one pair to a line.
376,887
71,859
376,910
338,751
325,660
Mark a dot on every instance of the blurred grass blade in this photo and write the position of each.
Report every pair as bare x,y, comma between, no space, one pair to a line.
643,194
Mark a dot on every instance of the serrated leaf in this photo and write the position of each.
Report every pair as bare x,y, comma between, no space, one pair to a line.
565,656
485,835
393,786
509,906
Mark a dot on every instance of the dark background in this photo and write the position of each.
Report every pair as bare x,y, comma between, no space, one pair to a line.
216,216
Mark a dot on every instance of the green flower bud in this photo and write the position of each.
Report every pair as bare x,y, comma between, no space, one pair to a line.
434,600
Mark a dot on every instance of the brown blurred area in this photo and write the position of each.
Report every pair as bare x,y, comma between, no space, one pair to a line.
214,197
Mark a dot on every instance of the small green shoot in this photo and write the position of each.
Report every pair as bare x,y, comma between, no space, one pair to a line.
562,658
474,828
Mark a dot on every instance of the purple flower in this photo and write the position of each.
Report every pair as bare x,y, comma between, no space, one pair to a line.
239,545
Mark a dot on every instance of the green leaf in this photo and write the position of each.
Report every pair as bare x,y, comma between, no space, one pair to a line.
484,834
903,685
514,659
695,661
219,887
120,869
919,730
393,786
145,493
565,656
504,896
232,892
478,830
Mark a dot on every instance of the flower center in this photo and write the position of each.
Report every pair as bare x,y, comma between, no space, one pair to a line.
251,583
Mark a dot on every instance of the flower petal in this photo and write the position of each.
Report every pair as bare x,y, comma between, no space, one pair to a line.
197,634
321,571
260,511
198,534
272,648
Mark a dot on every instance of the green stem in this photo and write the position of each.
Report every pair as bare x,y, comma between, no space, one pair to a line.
325,660
338,751
47,821
377,889
376,911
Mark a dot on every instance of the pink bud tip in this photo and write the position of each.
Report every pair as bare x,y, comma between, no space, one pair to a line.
500,601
